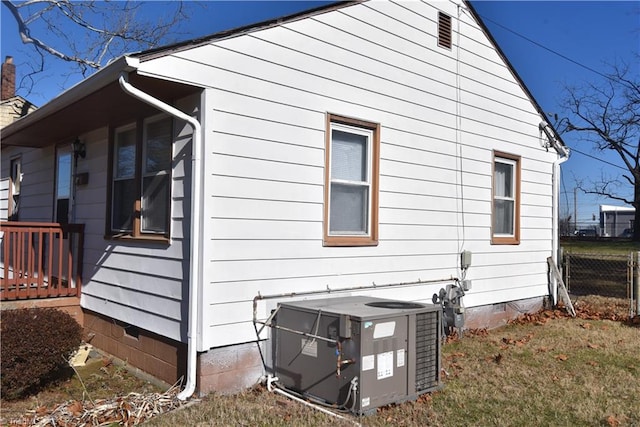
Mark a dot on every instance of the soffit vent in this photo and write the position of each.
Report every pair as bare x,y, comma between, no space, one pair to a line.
444,30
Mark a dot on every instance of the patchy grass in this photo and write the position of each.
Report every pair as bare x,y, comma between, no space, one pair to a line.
546,369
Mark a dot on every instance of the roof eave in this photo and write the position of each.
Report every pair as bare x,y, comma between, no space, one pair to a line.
96,81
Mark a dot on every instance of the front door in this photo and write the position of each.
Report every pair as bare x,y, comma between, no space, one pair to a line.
63,203
63,213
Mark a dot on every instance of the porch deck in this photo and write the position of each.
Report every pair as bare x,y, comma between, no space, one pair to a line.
40,260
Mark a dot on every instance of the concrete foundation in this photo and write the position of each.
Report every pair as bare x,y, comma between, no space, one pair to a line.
230,369
495,315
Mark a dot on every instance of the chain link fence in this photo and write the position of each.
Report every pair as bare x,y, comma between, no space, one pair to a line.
608,275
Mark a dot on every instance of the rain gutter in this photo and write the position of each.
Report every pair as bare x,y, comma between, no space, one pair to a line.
195,270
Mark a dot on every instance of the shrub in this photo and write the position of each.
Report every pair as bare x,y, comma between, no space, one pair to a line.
36,344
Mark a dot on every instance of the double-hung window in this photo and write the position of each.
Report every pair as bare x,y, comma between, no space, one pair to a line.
141,179
506,199
351,182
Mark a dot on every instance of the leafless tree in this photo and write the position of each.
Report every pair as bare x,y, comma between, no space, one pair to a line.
89,34
607,115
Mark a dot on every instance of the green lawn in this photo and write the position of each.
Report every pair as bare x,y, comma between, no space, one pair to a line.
608,246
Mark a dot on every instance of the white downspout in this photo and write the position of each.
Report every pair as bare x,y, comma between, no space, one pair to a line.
196,240
564,156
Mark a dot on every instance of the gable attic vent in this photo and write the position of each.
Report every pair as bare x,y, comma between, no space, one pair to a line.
444,30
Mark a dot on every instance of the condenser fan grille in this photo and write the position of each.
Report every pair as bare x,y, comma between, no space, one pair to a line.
427,350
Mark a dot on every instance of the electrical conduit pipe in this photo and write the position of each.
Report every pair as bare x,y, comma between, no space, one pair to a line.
196,240
564,156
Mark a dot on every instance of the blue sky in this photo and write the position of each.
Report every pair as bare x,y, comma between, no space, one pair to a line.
592,34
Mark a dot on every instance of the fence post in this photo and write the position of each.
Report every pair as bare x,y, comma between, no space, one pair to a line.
567,271
635,290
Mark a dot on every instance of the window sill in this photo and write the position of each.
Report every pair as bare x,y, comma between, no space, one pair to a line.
345,241
505,241
143,238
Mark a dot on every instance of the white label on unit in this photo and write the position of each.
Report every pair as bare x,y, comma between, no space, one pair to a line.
400,358
368,363
383,330
365,401
385,365
309,347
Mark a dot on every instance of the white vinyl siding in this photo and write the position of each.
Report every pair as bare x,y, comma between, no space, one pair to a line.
269,93
139,283
266,97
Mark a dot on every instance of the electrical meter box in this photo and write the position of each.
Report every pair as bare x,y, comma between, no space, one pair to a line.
357,352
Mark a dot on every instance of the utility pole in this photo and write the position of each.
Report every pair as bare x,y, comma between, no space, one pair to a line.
575,209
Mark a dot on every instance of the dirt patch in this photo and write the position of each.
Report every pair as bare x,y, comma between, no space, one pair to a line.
100,383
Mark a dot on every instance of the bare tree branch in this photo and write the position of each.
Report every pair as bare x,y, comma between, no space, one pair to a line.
25,36
607,115
90,33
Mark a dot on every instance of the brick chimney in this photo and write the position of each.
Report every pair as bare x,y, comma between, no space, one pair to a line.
8,79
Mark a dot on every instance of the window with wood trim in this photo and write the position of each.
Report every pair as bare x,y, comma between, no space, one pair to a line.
351,182
15,182
141,179
506,199
444,30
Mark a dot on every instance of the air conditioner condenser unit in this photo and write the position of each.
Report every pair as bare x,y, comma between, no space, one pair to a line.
357,352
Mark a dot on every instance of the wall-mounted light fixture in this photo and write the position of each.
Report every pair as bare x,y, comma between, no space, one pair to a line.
79,149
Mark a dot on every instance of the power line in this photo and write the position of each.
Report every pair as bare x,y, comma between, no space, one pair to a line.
599,159
570,60
547,49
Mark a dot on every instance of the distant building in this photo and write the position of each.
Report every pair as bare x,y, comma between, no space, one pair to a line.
616,221
12,106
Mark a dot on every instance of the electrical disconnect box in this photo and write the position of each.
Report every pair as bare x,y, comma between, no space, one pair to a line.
357,353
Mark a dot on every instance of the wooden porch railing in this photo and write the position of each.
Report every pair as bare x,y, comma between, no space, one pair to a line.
40,260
